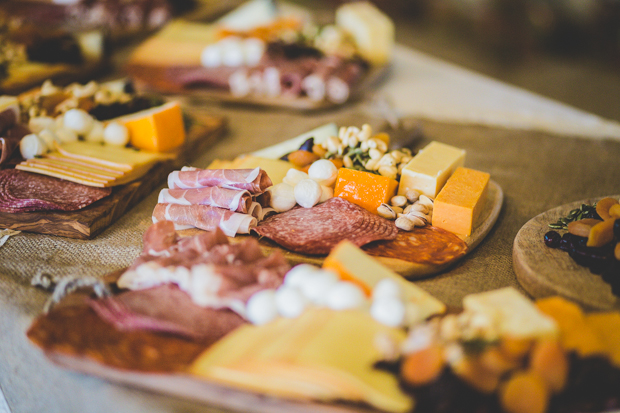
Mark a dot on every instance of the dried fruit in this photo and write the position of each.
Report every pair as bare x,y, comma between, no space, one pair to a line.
582,227
603,206
525,392
423,367
601,233
549,361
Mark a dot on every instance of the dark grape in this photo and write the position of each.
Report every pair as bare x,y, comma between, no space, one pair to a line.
617,229
307,145
552,239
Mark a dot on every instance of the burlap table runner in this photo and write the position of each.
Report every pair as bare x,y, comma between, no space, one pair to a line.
537,171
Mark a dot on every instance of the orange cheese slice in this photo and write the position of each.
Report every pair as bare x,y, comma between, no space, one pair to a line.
364,188
460,202
158,129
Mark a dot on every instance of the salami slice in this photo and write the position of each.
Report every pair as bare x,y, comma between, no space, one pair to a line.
423,245
234,200
255,180
204,217
316,230
23,191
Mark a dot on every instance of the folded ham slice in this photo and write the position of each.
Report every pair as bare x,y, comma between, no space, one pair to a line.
255,180
204,217
231,199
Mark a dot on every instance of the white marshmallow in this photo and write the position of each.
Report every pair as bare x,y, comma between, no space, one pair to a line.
386,288
39,123
344,295
293,176
290,302
282,197
253,50
307,193
271,82
48,137
299,274
239,83
78,121
315,288
232,51
116,134
323,171
390,312
66,135
96,133
31,146
211,56
261,307
327,192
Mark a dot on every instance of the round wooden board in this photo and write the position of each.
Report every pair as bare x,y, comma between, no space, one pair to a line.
544,271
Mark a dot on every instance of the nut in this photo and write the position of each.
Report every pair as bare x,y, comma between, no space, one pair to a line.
397,155
319,150
332,144
412,195
398,201
387,160
385,211
365,133
371,164
341,132
406,151
406,158
420,207
397,209
346,160
404,223
364,146
375,154
388,171
417,214
407,209
353,141
424,200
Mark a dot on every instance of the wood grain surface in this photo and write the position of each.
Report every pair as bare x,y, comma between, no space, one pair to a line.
92,220
544,271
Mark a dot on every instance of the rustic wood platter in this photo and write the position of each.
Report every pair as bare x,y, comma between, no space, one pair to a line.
544,271
92,220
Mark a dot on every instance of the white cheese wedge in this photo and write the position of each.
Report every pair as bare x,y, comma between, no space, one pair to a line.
514,314
429,170
352,264
319,134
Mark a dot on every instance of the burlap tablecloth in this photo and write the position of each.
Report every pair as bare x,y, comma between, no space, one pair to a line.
537,171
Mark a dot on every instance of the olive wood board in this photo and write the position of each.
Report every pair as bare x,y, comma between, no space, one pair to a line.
297,103
90,221
544,271
410,270
200,390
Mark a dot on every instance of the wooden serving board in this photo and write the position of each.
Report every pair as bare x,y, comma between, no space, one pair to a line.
410,270
544,271
92,220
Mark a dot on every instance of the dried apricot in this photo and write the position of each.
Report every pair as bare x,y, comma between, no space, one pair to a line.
549,361
603,206
424,366
601,233
474,373
301,158
524,392
582,227
494,359
515,348
614,211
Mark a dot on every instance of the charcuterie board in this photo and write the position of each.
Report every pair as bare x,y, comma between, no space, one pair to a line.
88,222
544,271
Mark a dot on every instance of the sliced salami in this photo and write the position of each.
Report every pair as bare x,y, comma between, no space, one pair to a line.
316,230
23,191
255,180
423,245
231,199
204,217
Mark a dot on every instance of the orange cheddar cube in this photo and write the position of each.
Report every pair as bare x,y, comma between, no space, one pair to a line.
159,129
364,188
461,201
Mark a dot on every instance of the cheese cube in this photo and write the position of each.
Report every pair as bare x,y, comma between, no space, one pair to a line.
364,188
460,202
429,170
159,129
512,313
354,265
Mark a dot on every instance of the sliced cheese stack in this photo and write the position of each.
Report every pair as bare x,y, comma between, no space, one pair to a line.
94,164
460,202
429,170
322,355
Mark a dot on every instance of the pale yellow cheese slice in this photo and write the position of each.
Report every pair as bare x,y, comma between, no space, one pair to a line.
63,175
353,264
323,355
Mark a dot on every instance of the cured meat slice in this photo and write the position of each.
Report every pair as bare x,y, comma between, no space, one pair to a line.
255,180
234,200
212,271
316,230
165,309
423,245
23,191
11,134
204,217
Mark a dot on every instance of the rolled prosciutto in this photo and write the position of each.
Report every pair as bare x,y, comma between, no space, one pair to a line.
204,217
255,180
234,200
